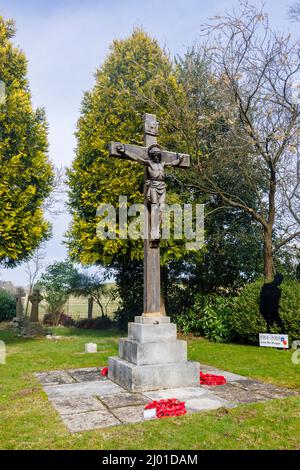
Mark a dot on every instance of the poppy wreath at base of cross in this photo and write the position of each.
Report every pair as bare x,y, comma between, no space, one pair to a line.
104,371
166,408
211,379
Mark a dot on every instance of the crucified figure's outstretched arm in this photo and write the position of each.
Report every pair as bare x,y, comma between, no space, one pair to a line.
121,148
176,162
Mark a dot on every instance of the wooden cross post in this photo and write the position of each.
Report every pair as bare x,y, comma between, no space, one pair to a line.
154,159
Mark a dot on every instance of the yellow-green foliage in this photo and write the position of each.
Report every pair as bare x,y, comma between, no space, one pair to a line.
127,86
25,173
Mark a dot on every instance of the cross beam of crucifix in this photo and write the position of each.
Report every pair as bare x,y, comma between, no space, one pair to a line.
155,160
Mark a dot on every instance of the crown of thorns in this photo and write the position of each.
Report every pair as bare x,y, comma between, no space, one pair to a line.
152,147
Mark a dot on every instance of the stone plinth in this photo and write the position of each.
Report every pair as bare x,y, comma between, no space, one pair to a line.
18,324
152,358
33,329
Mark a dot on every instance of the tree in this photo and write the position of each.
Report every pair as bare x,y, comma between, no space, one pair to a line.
92,286
232,240
247,146
54,204
56,284
7,305
34,266
113,110
26,175
294,12
129,286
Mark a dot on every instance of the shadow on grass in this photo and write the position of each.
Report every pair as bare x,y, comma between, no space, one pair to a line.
9,337
90,333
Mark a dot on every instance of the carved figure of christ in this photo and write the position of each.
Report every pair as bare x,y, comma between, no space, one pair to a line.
155,186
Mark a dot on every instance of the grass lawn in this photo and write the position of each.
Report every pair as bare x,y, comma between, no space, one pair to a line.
28,421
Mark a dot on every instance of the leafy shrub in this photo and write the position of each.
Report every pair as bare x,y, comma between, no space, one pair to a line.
189,322
215,319
125,314
209,316
223,319
290,308
63,320
7,305
247,322
99,323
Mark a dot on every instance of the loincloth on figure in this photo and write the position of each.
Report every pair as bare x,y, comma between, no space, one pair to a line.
155,191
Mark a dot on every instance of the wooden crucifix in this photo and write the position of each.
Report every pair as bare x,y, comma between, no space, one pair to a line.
155,160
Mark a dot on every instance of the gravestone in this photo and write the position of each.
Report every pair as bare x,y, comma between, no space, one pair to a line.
2,352
151,357
32,327
19,320
35,298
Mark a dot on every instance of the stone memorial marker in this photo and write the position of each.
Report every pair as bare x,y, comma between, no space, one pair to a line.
35,298
2,352
152,357
90,347
32,327
19,319
19,304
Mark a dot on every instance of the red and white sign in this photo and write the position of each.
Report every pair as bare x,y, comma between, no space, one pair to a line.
269,340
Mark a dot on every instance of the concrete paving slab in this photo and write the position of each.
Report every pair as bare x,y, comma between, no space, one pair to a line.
124,400
89,374
54,377
205,403
67,406
269,390
236,394
184,393
87,421
83,389
130,414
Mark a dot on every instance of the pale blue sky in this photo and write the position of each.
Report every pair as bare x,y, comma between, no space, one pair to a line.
65,40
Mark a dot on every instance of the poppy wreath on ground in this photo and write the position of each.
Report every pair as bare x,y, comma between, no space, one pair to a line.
211,379
169,407
104,371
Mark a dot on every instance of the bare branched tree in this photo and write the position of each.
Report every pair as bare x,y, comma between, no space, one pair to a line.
34,267
258,69
54,204
242,123
294,12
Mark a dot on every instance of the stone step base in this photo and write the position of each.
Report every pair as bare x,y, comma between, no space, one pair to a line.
152,320
138,378
161,352
143,332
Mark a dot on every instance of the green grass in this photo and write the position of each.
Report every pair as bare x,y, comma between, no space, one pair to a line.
28,421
